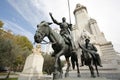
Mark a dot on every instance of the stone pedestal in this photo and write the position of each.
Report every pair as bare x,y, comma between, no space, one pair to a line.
33,66
109,57
84,79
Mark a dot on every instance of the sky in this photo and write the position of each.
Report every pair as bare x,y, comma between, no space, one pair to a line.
22,16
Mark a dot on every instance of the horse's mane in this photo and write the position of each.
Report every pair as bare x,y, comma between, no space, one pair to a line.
57,36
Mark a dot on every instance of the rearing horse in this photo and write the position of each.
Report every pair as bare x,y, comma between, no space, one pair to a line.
59,46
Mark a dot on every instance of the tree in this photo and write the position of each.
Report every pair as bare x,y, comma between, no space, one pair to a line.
8,52
48,65
1,24
23,42
13,50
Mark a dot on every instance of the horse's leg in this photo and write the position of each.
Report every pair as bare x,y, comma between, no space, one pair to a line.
92,71
56,73
73,62
60,67
78,71
77,65
68,66
56,66
97,70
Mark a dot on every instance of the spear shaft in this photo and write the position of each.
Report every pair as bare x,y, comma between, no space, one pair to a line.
69,11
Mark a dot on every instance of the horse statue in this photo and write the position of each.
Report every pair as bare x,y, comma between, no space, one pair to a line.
90,58
59,46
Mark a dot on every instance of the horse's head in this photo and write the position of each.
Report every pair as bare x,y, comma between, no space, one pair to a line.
43,30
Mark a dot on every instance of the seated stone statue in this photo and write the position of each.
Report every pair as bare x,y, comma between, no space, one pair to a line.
33,65
37,50
92,50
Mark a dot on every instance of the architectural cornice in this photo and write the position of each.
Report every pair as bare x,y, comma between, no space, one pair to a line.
92,21
79,7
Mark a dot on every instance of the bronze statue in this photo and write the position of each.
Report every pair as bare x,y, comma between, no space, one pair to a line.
90,57
59,46
94,53
65,31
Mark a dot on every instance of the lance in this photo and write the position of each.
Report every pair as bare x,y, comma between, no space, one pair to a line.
69,11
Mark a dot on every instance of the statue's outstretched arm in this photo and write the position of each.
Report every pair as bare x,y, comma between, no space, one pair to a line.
55,21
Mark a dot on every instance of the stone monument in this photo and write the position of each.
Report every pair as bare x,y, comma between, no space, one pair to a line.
33,65
87,27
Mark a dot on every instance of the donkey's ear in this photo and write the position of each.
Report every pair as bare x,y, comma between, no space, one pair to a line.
49,23
37,26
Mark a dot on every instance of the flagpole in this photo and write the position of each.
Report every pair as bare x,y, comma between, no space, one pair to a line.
69,11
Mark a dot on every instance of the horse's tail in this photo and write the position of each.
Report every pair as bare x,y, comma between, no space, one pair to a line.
73,59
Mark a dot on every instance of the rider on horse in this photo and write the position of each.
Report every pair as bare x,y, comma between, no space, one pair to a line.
93,51
65,30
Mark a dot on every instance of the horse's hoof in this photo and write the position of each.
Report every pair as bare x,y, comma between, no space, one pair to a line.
66,74
98,75
61,76
78,75
93,76
56,75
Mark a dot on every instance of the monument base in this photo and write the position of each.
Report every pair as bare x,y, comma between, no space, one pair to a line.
34,77
99,78
29,77
85,74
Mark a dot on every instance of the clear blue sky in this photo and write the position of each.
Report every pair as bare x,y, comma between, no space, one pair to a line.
14,21
22,16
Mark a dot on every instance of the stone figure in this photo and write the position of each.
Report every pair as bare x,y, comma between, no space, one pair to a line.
33,65
37,50
59,46
94,53
90,57
65,31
